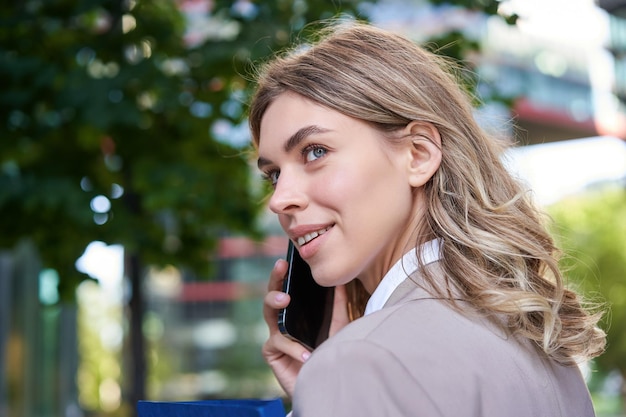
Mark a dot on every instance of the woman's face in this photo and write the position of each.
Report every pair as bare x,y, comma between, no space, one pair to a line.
341,192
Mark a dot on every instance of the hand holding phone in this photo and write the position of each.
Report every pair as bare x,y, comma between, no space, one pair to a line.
308,316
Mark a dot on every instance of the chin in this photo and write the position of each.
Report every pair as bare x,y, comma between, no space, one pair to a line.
325,283
323,278
329,279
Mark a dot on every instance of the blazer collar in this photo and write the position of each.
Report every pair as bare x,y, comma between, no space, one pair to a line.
415,286
427,253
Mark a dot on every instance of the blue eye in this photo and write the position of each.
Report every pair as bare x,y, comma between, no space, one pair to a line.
312,153
272,177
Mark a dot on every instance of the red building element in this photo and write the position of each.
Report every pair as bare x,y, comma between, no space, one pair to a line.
242,247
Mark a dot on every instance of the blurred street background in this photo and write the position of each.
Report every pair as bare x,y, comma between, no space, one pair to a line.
134,239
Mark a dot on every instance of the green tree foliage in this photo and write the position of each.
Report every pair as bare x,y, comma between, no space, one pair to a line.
108,121
591,229
117,125
94,115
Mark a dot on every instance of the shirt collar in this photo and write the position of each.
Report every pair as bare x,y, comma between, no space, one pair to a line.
407,265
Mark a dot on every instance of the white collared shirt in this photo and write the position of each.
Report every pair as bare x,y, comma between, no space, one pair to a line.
429,252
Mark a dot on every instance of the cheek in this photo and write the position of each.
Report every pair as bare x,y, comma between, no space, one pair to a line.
359,195
339,188
284,221
365,181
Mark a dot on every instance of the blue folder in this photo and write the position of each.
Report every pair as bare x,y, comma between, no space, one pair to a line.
212,408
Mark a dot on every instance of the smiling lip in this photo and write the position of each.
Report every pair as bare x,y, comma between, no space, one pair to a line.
303,239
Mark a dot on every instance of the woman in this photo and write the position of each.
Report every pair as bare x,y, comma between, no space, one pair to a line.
448,298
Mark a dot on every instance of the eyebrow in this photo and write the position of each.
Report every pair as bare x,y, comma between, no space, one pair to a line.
294,140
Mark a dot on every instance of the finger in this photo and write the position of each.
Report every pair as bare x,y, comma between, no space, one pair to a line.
279,345
340,316
275,299
272,303
277,275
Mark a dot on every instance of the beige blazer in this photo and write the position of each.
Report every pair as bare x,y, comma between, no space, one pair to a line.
418,357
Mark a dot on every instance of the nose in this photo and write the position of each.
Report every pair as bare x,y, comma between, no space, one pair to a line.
289,194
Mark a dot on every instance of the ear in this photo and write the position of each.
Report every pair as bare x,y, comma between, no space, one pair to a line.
423,150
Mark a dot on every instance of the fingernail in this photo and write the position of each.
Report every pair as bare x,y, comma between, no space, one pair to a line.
306,356
280,296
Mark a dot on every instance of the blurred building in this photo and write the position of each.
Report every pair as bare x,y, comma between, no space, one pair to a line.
555,63
205,333
617,46
38,345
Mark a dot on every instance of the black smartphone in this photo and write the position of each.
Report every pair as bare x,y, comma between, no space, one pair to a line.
307,317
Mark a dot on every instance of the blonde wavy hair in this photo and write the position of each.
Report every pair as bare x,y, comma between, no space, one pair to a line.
496,251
